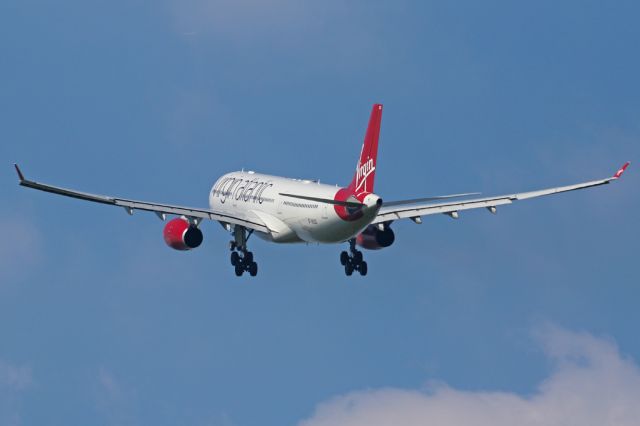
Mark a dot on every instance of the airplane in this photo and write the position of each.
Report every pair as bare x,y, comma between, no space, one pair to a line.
285,210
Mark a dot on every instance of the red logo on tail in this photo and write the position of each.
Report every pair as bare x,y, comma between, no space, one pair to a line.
363,179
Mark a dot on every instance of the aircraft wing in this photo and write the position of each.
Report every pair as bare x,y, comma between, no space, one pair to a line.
415,211
161,210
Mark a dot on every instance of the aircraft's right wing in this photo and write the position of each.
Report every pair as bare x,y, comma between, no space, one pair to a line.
415,211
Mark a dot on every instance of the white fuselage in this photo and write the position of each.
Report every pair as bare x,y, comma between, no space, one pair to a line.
256,197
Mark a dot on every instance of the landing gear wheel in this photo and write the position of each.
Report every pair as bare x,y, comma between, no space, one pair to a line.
239,269
241,257
253,269
352,260
348,269
363,268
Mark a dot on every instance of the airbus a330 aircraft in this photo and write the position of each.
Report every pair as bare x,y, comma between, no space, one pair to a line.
284,210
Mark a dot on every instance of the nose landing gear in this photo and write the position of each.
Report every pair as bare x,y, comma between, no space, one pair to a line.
353,260
241,258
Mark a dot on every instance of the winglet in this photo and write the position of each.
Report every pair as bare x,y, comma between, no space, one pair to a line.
621,170
20,175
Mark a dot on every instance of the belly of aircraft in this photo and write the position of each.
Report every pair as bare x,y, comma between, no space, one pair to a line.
333,230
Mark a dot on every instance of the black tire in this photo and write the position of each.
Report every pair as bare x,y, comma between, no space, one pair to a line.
253,269
363,269
348,269
357,257
344,258
248,258
239,270
235,258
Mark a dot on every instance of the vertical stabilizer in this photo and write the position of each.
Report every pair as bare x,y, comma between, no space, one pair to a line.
366,168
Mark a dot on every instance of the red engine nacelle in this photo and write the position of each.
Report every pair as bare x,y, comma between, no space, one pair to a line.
372,238
179,234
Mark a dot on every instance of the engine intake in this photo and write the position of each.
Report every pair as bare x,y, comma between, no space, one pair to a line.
372,238
179,234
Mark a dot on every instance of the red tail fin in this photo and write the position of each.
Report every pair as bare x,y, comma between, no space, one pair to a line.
366,167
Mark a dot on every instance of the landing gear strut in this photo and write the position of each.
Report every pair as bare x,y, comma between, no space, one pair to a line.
352,260
241,258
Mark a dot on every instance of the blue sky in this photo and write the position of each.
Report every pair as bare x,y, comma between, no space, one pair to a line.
102,324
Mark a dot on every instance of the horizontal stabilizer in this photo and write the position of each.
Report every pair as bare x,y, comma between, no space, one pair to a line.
420,200
325,200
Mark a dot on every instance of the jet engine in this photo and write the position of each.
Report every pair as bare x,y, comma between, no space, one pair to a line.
372,238
179,234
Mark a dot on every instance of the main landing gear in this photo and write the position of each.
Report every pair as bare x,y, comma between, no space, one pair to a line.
352,260
241,258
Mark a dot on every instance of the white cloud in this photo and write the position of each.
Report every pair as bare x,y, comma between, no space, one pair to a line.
19,247
115,401
248,20
14,377
14,381
109,385
591,384
321,31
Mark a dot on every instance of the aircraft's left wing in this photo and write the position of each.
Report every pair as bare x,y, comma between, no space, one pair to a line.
415,211
195,214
